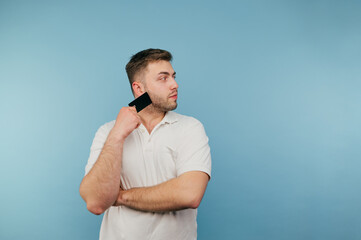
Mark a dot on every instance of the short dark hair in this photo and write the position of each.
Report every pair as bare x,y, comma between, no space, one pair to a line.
139,61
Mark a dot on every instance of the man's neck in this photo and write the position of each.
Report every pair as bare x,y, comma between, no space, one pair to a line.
150,118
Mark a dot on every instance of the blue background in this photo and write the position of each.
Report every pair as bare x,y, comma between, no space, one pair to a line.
275,83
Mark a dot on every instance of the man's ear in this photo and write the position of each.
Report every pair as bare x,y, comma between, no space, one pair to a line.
138,89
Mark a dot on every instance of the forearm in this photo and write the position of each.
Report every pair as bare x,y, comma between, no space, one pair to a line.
176,194
159,198
100,186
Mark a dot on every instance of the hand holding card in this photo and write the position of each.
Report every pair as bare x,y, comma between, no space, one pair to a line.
141,102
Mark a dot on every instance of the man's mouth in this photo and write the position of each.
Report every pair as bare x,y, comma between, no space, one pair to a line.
174,96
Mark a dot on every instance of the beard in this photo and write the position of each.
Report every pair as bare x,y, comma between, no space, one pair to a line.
160,104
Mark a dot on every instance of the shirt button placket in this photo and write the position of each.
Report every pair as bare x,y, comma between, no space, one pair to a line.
146,141
148,145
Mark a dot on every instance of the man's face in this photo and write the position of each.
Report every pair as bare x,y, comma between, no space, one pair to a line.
161,86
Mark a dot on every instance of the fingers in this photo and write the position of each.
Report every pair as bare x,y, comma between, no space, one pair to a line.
133,109
135,113
127,120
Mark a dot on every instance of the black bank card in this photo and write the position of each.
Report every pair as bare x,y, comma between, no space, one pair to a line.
141,102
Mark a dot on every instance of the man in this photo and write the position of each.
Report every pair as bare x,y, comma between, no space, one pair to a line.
148,171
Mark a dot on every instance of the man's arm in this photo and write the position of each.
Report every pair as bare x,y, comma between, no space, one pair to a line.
185,191
100,187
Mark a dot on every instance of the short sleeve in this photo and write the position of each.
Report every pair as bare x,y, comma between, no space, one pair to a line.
97,146
194,151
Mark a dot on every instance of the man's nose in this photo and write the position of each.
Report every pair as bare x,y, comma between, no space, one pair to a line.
174,84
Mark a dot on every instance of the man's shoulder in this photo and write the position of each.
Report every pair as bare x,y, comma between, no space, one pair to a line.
106,127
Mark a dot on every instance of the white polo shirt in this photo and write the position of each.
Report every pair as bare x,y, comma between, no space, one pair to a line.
178,144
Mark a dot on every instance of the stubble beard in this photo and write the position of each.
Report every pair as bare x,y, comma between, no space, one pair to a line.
161,105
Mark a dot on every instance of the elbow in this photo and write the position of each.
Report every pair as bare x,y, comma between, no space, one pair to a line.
92,206
191,198
194,202
95,209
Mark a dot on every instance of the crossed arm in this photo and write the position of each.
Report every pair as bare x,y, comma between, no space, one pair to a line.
185,191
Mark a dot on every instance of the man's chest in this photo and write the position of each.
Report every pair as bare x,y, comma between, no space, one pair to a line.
148,161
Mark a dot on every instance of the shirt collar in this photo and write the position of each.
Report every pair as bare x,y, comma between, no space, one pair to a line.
170,117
